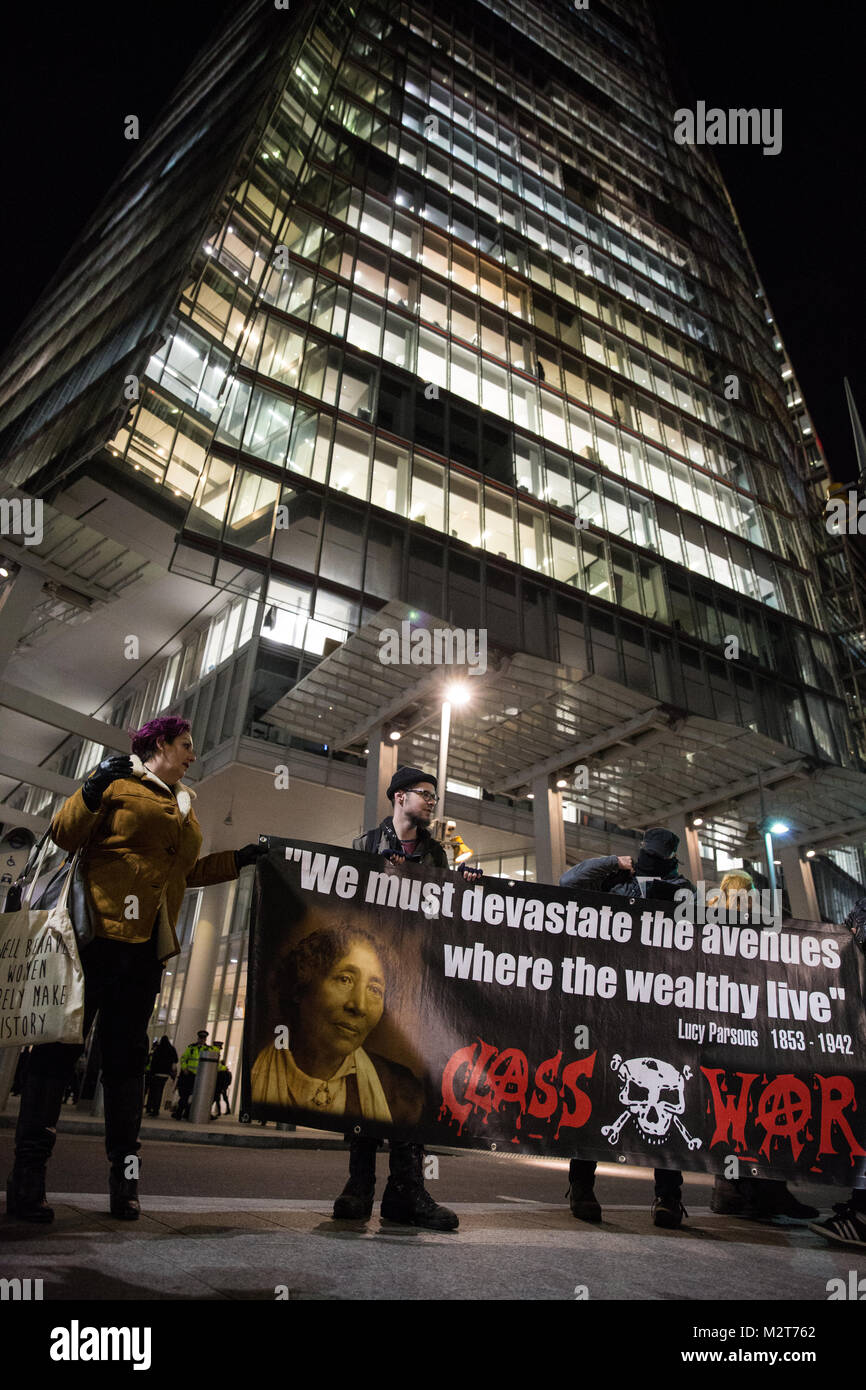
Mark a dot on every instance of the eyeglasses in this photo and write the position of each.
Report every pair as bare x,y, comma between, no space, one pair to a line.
428,796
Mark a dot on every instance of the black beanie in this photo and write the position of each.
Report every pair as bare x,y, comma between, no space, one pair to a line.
661,842
407,777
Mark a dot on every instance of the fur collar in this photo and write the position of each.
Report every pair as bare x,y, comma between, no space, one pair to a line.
183,795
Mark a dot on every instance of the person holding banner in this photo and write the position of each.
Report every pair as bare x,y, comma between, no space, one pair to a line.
403,837
848,1226
754,1199
654,874
134,823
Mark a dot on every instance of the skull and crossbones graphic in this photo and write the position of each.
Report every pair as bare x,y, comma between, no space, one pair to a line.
653,1094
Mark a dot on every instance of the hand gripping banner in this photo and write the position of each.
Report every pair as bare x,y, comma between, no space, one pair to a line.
404,1002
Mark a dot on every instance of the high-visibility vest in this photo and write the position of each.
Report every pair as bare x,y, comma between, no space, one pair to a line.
189,1060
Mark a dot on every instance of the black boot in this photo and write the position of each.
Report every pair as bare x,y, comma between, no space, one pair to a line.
25,1194
786,1204
581,1191
35,1137
405,1198
123,1190
668,1210
355,1202
124,1100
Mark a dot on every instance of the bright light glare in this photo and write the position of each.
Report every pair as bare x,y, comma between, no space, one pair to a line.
457,694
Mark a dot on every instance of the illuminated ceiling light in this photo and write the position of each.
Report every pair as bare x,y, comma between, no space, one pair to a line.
561,782
698,820
779,828
394,734
810,854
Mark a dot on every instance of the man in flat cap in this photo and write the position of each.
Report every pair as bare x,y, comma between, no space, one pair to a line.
405,834
403,837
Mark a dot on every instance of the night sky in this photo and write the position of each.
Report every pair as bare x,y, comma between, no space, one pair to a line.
71,76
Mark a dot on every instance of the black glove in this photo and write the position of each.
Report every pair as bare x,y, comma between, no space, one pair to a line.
108,771
472,875
249,854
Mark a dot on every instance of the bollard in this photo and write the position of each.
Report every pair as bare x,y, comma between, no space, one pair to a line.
205,1085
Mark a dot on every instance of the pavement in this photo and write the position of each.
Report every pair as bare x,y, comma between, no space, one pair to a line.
226,1129
229,1222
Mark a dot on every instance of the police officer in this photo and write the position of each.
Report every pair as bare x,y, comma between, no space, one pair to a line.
188,1069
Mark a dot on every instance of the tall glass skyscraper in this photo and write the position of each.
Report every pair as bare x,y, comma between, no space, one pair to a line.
421,309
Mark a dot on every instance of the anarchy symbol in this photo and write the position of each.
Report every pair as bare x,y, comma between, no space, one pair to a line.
784,1110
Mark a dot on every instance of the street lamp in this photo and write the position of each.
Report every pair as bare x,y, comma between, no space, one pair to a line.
771,828
454,695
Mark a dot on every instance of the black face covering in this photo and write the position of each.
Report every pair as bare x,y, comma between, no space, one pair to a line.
649,865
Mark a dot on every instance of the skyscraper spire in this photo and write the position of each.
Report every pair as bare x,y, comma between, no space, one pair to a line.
859,433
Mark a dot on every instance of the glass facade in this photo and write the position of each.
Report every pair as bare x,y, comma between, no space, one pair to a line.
478,350
463,327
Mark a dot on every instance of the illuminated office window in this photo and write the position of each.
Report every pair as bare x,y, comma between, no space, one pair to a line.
390,488
428,494
499,524
596,579
464,522
350,461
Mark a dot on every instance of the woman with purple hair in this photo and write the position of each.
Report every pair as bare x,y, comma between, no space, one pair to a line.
140,841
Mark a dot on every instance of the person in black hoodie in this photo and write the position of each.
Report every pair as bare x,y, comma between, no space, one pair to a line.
161,1065
654,874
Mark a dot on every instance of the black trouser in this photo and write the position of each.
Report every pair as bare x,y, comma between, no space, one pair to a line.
121,981
405,1161
185,1088
155,1088
669,1181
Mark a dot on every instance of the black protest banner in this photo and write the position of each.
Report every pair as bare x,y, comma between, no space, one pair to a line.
399,1001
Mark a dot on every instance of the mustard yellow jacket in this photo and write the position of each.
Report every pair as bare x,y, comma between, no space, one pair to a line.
140,854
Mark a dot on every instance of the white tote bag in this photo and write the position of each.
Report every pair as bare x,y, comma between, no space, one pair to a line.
41,980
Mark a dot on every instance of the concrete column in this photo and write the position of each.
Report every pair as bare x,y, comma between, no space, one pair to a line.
799,883
198,984
16,605
549,830
381,766
688,853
